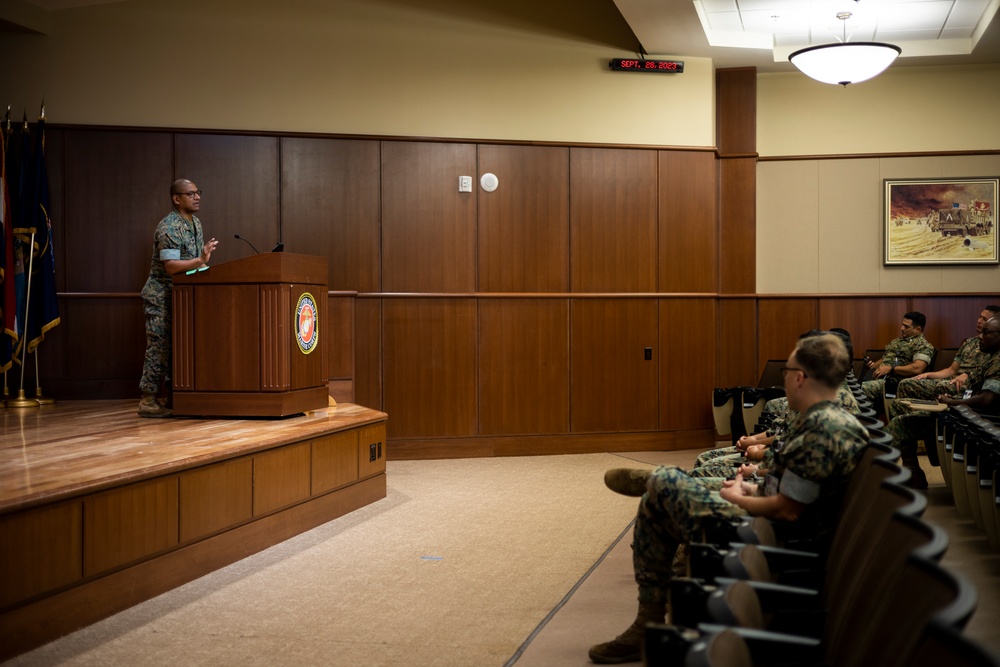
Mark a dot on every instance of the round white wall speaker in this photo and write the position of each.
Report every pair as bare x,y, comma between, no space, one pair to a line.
489,182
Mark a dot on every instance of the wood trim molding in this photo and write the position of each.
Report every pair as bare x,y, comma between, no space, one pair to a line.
856,156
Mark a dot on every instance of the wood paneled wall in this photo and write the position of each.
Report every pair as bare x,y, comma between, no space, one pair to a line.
540,309
591,301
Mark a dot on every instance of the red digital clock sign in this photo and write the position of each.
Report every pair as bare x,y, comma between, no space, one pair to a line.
638,65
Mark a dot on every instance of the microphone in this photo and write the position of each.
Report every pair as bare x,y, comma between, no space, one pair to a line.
237,236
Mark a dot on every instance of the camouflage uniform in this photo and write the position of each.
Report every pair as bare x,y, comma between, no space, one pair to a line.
174,238
968,357
811,466
899,352
909,427
725,461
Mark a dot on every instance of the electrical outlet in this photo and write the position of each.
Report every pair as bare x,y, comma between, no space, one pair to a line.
465,183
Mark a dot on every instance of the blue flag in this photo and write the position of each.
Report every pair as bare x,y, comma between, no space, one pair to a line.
43,312
19,198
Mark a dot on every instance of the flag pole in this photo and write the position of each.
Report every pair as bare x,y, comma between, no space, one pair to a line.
42,400
22,401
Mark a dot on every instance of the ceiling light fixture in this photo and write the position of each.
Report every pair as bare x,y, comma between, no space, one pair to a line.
845,62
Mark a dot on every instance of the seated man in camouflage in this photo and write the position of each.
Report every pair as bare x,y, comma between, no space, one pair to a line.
948,381
805,486
982,394
725,461
904,357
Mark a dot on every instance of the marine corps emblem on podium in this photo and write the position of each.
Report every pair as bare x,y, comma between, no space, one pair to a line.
306,330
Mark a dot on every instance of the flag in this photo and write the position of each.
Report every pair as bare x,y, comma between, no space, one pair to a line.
8,298
44,302
19,182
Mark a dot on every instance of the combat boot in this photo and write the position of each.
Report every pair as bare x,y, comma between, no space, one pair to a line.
627,647
627,481
908,451
150,407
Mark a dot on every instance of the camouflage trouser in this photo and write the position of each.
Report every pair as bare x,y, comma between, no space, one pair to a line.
708,458
874,390
156,367
909,427
723,465
670,514
910,388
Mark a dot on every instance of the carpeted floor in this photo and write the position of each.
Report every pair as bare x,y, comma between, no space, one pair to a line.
457,566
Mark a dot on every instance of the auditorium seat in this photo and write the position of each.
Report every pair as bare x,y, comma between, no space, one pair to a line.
945,646
866,373
883,630
753,401
943,358
973,445
925,591
772,376
723,403
957,465
986,466
719,649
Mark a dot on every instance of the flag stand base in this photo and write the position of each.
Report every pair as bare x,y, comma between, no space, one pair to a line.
21,401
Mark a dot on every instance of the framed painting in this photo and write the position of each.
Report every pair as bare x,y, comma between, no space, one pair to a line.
940,221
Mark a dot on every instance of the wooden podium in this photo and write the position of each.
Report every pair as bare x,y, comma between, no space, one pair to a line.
250,337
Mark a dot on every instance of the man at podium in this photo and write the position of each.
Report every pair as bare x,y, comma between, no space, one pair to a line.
178,245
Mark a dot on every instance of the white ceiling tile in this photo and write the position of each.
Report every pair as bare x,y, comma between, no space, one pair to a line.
906,35
773,5
719,5
725,21
917,15
775,21
966,14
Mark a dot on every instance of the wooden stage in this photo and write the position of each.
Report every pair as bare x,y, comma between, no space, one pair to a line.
101,509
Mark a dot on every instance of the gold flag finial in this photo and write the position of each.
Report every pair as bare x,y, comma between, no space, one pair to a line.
41,114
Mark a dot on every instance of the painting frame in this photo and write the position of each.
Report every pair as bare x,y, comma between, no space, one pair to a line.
940,221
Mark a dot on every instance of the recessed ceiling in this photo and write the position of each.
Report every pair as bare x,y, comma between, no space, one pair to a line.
762,33
68,4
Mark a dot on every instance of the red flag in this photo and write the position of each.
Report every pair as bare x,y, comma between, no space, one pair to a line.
8,297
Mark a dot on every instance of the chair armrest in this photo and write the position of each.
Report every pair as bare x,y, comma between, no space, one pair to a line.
779,597
768,647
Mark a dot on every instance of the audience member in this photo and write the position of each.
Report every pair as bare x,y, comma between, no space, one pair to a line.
906,356
948,381
725,461
980,393
810,469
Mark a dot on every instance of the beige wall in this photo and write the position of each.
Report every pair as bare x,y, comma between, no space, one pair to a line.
383,67
344,66
819,227
819,221
905,110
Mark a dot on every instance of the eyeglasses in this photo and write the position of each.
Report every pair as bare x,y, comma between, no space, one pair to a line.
192,194
785,369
